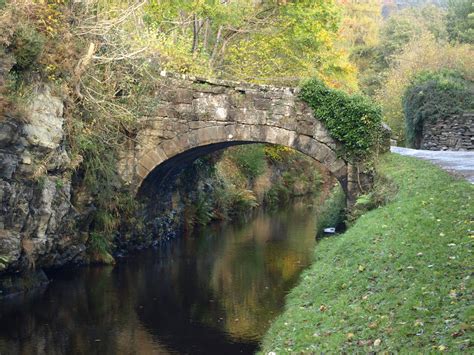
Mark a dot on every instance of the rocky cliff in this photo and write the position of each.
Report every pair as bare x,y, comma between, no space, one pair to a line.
37,217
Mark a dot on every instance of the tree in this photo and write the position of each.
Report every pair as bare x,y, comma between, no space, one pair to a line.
460,21
298,43
400,29
361,22
258,41
408,24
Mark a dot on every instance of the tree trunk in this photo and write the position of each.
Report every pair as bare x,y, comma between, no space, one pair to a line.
216,46
206,34
196,29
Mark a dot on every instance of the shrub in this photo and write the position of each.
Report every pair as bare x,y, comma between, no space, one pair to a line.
98,243
383,192
353,120
278,153
277,195
250,159
434,95
332,212
26,46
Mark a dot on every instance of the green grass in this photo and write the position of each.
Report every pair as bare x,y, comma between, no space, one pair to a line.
397,281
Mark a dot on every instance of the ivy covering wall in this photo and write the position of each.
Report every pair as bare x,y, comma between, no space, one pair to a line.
354,120
432,96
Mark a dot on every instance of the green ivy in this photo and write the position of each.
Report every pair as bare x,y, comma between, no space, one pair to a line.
353,120
434,95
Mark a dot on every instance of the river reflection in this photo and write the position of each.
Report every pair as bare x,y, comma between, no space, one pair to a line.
212,292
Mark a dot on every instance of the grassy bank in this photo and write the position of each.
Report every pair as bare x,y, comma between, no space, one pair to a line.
398,280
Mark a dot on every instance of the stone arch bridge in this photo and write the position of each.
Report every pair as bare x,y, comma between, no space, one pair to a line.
197,116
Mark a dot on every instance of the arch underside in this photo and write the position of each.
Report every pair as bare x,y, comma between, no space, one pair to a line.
164,161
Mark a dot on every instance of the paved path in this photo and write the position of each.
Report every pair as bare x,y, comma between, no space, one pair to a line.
459,162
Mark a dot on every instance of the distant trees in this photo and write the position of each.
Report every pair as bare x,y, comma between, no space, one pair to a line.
460,21
411,41
374,59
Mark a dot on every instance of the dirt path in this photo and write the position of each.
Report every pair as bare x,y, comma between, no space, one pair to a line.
460,162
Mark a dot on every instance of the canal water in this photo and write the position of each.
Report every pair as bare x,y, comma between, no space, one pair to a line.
213,292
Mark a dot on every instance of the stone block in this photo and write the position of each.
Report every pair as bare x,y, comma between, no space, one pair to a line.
238,100
262,103
179,96
8,165
186,112
165,111
8,133
282,110
212,107
142,171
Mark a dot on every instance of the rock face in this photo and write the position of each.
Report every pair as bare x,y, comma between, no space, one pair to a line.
451,133
36,220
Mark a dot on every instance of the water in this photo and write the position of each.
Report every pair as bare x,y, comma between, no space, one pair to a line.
214,292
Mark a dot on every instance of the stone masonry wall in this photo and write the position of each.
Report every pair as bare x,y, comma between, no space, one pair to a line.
195,112
452,133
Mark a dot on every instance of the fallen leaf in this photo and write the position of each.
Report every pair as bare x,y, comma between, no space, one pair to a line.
364,342
373,325
457,334
418,323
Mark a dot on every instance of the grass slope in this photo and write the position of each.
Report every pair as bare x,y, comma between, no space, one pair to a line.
398,280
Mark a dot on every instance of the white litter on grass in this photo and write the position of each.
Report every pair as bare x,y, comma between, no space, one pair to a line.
330,230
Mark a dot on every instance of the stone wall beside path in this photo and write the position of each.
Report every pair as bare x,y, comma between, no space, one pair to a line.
452,133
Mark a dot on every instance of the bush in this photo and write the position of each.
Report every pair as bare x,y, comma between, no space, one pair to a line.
98,243
250,159
332,212
277,153
434,95
383,192
26,46
278,195
353,120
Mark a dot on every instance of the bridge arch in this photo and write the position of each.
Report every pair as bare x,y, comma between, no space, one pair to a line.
195,116
167,159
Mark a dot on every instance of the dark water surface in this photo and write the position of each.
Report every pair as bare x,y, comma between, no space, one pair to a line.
214,292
